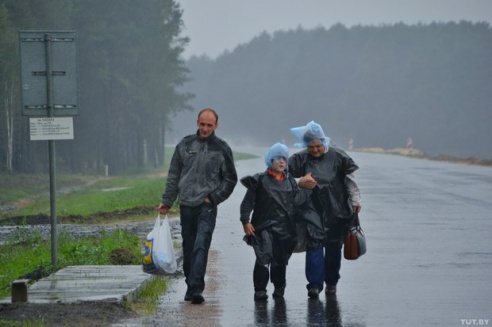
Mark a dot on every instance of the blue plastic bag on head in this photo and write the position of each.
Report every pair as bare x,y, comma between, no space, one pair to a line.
276,151
306,134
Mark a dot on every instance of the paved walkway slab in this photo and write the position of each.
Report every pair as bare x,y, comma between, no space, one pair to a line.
89,283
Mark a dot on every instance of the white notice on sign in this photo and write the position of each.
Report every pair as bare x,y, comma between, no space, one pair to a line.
51,128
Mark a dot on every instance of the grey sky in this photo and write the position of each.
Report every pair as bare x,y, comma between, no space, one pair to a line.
218,25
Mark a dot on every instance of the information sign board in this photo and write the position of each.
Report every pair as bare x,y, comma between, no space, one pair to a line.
52,128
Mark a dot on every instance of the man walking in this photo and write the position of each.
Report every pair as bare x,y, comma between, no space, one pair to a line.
202,174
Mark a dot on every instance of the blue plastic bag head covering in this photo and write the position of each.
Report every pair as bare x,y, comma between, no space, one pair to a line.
306,134
275,152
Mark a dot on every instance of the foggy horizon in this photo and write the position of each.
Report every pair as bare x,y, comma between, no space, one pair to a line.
204,21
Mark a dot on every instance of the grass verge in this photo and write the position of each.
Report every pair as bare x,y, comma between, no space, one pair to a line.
146,303
84,196
27,255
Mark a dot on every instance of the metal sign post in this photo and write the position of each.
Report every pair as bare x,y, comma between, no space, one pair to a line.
48,73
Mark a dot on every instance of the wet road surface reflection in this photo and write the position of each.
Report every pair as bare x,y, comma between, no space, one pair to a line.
428,263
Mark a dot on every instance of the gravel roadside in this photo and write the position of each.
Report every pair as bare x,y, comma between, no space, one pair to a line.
141,229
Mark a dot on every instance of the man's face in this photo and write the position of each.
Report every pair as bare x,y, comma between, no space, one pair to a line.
316,148
206,124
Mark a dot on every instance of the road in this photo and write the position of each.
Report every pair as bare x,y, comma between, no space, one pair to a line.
428,263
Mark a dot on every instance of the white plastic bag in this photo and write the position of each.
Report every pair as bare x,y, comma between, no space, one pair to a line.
163,248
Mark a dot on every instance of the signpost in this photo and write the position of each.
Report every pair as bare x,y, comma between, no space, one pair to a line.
49,90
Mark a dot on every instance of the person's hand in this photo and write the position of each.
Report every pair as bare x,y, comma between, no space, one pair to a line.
249,229
357,208
163,209
307,181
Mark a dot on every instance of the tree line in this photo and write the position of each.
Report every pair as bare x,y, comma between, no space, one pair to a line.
130,73
376,85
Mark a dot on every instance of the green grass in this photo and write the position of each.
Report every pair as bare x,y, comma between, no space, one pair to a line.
243,156
23,323
107,195
86,195
148,299
27,252
19,186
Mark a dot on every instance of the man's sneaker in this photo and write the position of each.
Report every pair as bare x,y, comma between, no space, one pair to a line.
331,290
313,293
261,296
197,298
279,292
188,296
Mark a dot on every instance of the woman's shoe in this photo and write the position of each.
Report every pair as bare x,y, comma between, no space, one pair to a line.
313,293
279,292
331,290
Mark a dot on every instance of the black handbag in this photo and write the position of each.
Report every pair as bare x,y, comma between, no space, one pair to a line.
355,240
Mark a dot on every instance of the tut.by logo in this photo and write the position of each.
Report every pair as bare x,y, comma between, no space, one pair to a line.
475,322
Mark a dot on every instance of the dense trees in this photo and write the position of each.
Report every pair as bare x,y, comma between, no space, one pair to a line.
132,53
129,72
377,85
16,152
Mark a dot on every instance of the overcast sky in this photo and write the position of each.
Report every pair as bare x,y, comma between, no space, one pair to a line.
218,25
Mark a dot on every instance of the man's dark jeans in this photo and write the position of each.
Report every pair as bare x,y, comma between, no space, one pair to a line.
197,227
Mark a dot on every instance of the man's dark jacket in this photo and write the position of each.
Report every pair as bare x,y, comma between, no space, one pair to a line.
200,167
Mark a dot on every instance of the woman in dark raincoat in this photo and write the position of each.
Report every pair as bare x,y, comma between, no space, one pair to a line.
328,172
273,197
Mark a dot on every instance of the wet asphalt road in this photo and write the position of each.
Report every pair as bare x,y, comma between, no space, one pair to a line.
429,262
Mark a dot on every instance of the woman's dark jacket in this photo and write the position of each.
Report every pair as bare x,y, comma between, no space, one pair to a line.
274,204
330,210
